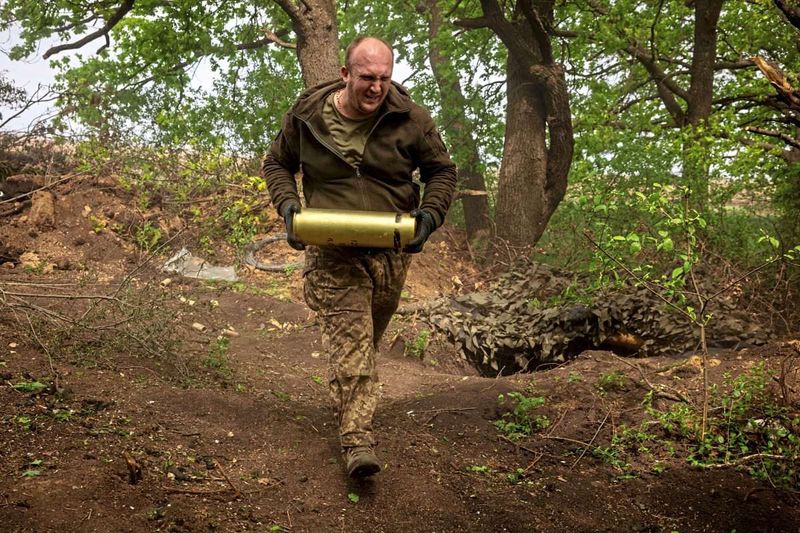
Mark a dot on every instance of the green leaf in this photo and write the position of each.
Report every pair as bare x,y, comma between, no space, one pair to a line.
31,473
30,386
353,497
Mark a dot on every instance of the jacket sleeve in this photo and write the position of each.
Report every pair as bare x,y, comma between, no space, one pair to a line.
281,163
437,171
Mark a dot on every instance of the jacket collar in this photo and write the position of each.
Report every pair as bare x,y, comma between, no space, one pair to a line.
311,101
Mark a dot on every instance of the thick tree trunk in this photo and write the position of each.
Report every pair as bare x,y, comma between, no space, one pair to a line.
459,132
533,174
314,22
520,199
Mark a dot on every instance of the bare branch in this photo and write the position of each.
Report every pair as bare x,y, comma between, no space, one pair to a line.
126,6
792,12
473,23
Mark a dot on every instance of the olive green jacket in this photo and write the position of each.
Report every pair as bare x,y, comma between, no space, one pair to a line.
403,139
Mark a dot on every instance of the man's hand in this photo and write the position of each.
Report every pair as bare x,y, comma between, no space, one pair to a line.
424,227
288,219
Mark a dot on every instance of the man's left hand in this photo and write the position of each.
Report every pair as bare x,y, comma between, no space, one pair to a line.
424,227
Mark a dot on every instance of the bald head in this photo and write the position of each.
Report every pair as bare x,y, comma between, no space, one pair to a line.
367,48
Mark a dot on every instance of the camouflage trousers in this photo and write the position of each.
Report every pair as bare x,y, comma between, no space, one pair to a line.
354,294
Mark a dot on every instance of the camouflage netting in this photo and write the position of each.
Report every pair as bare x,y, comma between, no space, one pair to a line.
511,327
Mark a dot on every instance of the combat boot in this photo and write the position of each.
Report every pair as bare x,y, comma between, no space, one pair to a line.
361,461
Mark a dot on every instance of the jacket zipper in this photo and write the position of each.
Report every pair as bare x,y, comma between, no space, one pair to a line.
359,177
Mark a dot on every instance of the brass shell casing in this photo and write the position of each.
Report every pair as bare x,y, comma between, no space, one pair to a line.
365,229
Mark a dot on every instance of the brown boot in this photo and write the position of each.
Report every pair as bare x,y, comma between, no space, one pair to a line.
361,461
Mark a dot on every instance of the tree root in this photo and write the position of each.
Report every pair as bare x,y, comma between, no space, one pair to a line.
250,259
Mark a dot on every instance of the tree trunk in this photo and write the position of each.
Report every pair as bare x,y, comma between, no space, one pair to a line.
459,132
533,174
701,91
314,22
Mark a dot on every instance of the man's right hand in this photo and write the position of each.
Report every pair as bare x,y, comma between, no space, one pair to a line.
288,213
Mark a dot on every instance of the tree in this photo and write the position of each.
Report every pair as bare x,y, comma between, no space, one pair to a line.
538,139
142,73
459,127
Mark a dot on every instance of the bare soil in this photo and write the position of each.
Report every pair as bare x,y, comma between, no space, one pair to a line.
136,441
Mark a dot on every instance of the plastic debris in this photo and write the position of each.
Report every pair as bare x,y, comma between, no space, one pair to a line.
186,264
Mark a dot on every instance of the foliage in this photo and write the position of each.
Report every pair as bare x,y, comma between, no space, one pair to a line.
185,180
30,386
418,345
521,421
179,72
748,428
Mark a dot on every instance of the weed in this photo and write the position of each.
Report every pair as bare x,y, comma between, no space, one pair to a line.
353,497
38,268
98,224
611,456
521,421
574,377
155,514
217,357
282,396
25,422
317,379
746,422
33,469
516,476
479,469
147,237
611,381
62,415
416,348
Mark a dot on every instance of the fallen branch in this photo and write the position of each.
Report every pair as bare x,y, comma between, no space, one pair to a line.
675,395
517,444
225,475
747,458
603,423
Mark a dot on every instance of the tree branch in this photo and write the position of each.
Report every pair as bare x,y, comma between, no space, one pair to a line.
667,88
272,37
791,141
121,11
67,27
792,12
539,31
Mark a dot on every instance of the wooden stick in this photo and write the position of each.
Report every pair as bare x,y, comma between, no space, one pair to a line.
225,475
603,423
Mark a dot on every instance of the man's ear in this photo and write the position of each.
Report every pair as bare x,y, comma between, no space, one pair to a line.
344,73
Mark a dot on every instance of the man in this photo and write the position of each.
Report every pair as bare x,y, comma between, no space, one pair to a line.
357,141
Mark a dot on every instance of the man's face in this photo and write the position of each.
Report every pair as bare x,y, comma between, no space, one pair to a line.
368,79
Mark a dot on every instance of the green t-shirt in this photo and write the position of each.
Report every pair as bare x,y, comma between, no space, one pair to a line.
348,135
